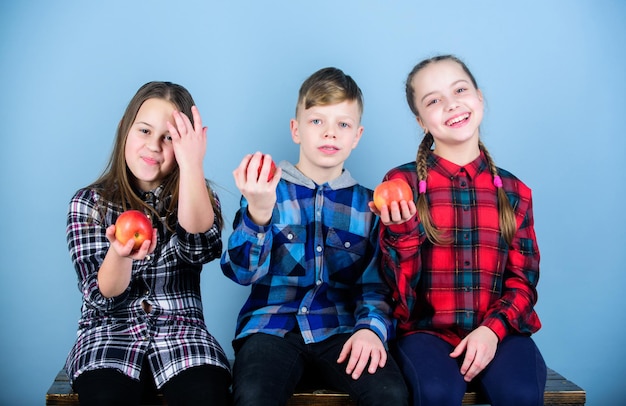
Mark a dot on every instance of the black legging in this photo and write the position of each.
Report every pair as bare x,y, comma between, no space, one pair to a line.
202,385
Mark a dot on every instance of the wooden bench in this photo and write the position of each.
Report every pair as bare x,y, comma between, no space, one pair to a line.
559,391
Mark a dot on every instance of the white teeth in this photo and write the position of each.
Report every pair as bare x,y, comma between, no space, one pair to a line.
458,119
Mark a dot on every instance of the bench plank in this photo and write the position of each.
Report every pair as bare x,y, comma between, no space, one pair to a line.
559,392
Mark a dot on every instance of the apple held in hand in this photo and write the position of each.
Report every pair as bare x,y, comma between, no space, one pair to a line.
393,190
270,176
133,224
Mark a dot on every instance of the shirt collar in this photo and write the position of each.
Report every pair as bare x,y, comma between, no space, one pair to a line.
293,175
450,169
151,196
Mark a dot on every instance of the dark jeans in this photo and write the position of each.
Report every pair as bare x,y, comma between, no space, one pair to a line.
202,385
516,375
268,369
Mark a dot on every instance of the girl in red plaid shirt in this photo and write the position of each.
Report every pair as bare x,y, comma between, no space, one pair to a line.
463,259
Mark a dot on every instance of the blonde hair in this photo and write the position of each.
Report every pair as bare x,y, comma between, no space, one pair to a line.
328,86
506,214
116,184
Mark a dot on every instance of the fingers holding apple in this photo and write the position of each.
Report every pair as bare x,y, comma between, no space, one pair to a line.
134,232
261,162
393,201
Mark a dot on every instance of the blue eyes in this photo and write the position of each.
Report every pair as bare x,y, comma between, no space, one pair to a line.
317,121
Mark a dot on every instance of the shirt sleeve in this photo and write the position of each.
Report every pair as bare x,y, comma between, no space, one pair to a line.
88,245
204,247
401,265
247,257
373,309
514,312
401,257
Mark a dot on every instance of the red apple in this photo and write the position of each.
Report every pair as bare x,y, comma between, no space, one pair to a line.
270,176
393,190
133,224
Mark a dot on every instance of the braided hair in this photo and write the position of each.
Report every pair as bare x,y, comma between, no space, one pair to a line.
506,214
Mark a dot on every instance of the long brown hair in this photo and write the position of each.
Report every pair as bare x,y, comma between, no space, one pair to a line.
506,214
117,184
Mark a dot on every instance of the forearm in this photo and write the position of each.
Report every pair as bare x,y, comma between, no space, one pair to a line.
114,274
195,211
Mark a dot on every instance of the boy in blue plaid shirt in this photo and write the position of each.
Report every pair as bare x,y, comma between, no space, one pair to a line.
306,242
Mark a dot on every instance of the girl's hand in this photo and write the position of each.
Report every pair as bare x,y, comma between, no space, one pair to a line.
126,250
254,186
188,140
396,213
480,347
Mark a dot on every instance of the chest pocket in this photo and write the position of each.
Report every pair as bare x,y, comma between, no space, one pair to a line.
288,252
345,255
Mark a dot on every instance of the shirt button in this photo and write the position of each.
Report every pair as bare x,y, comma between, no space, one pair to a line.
148,257
319,248
318,282
304,309
347,244
290,236
260,235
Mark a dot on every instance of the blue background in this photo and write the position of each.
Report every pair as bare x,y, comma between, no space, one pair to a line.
552,73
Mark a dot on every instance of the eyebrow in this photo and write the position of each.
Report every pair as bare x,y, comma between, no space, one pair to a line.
142,122
454,84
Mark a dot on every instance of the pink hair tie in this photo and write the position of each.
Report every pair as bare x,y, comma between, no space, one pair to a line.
497,181
422,186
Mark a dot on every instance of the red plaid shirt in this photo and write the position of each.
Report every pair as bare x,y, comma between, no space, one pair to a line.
478,280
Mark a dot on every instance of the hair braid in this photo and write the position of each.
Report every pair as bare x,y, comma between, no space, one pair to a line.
506,214
423,211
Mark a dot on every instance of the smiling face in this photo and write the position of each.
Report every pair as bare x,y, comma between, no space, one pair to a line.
449,106
327,134
148,150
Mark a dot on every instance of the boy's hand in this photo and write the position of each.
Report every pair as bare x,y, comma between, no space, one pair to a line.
394,213
480,347
254,186
364,346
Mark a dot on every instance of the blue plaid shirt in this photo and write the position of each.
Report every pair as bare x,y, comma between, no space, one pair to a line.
315,267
